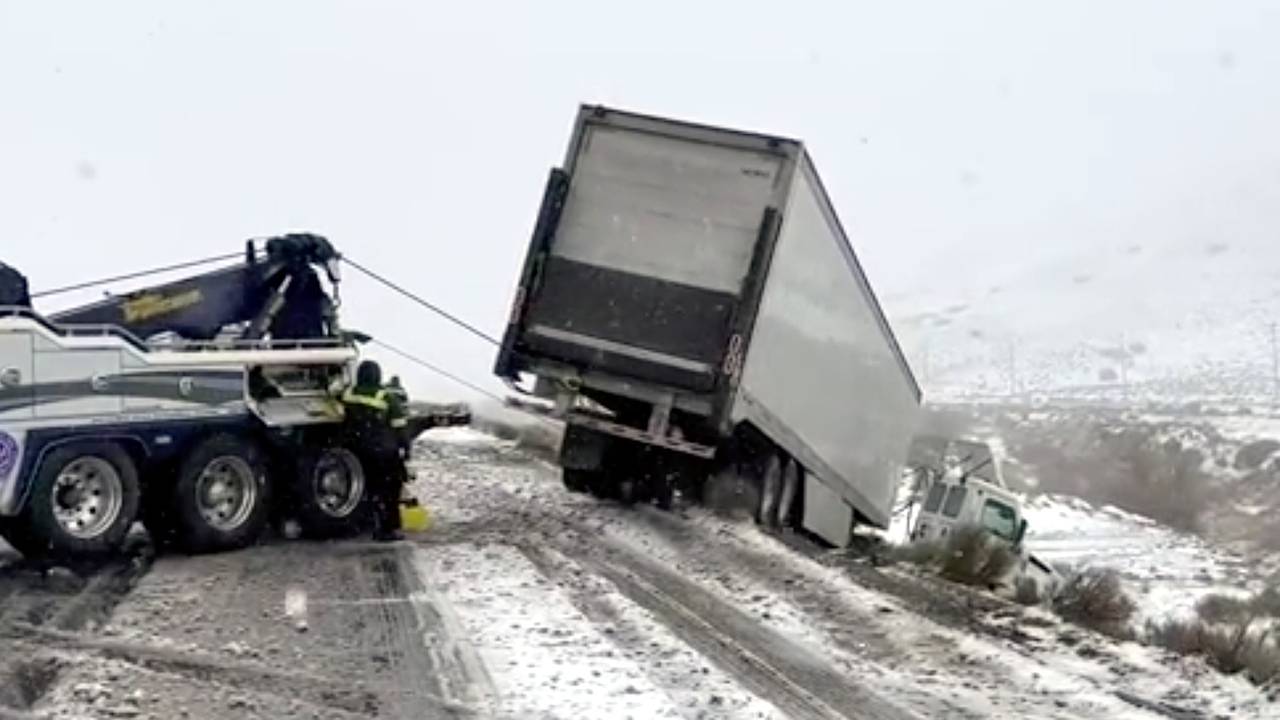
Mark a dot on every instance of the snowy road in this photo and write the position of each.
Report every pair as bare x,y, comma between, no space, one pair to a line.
526,601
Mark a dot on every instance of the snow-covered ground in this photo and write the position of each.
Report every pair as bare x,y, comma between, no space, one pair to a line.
927,666
525,601
1166,571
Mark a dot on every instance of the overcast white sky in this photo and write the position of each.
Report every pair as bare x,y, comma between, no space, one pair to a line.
1012,138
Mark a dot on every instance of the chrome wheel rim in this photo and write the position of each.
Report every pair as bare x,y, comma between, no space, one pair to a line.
226,492
87,497
337,483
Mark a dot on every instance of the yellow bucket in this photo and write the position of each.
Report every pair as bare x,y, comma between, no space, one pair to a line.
414,517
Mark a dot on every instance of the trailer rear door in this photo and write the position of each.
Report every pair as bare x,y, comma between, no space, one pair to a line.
657,235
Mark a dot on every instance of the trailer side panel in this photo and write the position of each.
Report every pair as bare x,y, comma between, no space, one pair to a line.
824,377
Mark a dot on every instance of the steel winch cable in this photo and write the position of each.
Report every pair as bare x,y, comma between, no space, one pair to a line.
437,369
421,301
135,275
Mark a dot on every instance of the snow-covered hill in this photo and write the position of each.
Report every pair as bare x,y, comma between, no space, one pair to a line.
1185,319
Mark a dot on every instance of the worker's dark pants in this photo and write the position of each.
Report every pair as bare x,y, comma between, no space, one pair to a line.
386,477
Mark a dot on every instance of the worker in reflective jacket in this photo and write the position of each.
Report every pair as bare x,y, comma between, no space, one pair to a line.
375,426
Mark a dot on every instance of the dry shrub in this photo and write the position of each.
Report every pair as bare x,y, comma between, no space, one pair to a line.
1267,602
1254,454
1026,591
1095,598
1218,608
1229,648
974,557
1184,637
1165,483
969,555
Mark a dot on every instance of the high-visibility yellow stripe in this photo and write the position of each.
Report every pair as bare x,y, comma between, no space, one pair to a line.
375,402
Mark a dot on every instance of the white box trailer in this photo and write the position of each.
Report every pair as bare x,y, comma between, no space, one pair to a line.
693,307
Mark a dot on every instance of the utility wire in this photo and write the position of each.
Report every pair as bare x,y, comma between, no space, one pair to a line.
418,299
134,275
437,369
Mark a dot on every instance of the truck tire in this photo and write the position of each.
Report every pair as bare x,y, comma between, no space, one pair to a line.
82,502
630,490
329,492
789,509
604,485
222,497
577,480
770,491
663,491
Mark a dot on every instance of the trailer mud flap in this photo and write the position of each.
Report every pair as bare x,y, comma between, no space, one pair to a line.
582,448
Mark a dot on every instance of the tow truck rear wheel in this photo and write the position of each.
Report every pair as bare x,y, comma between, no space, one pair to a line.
82,502
222,497
329,492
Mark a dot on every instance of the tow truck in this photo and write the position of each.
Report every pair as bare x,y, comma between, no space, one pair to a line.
202,407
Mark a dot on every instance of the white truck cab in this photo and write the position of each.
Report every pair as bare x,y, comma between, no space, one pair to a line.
966,488
961,485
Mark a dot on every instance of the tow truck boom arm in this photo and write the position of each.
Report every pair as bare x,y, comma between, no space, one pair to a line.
275,291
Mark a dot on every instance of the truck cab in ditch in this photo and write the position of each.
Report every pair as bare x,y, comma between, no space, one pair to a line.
958,483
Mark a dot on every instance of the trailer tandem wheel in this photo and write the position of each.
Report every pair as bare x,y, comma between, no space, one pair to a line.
789,507
770,490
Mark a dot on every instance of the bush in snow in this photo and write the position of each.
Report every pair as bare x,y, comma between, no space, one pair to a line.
974,557
1254,454
1095,598
1231,648
1026,591
1218,608
1165,483
970,555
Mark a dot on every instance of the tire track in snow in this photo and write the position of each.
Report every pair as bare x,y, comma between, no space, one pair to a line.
672,664
780,671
